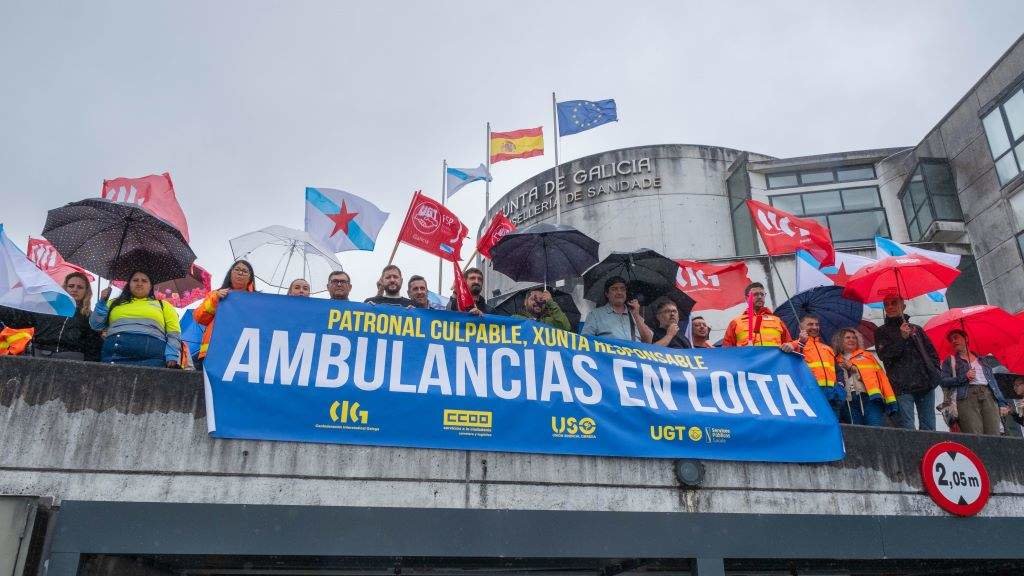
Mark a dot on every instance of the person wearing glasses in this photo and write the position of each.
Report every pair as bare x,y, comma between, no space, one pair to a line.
339,284
241,277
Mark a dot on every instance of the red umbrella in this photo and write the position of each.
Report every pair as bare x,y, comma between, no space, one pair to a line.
990,329
904,276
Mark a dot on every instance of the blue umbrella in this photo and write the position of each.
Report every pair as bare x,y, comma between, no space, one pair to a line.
827,303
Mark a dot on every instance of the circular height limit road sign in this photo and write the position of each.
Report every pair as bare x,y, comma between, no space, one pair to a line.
955,478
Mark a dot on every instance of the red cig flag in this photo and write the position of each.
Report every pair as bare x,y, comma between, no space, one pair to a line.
154,193
500,226
784,233
462,294
713,286
433,228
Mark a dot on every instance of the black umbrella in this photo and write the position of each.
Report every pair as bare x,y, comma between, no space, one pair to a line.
544,253
1005,381
828,304
515,303
648,276
115,239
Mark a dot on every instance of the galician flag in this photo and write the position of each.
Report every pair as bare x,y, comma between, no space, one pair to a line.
885,248
456,178
811,274
25,287
342,221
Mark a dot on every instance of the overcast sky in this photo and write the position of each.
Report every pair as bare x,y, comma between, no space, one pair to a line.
246,103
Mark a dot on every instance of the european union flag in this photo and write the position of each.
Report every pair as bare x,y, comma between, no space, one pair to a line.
575,116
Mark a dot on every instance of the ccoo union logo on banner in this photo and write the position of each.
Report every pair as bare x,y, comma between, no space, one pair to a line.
313,370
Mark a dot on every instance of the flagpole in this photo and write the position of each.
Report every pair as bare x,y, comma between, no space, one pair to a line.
398,240
554,121
469,261
444,200
487,196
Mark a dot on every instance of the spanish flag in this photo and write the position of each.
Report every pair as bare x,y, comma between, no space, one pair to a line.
517,144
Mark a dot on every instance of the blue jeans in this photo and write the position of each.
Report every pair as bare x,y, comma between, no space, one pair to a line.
134,349
925,404
863,411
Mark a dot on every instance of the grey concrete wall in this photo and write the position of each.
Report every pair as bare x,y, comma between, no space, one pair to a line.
991,224
91,432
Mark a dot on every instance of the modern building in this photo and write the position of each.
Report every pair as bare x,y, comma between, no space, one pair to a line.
956,191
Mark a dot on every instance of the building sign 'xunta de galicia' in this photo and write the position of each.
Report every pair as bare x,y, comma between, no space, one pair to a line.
581,186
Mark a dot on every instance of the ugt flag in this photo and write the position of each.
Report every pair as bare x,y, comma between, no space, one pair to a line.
885,247
575,116
500,226
154,193
713,286
811,274
433,228
342,221
456,178
25,287
41,253
784,233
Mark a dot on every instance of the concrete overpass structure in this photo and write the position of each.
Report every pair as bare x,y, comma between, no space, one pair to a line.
120,461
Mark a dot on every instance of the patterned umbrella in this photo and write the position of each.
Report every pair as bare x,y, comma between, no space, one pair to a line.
181,292
114,239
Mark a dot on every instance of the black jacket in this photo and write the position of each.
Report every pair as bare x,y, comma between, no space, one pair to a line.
907,369
56,333
481,303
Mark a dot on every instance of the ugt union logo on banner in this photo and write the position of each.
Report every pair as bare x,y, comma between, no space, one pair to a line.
433,228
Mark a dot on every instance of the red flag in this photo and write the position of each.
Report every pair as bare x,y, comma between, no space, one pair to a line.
496,230
433,228
784,233
463,296
41,253
713,286
155,193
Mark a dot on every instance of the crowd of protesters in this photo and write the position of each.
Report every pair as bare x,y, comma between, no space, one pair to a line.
899,384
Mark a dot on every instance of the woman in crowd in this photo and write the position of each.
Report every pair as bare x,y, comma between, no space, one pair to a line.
140,330
979,401
240,277
868,392
69,338
298,287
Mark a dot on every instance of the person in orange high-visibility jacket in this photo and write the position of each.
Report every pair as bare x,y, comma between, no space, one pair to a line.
241,277
821,360
868,390
14,341
763,329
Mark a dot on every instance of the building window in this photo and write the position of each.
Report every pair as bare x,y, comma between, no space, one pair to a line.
1004,127
966,290
738,186
853,215
930,195
821,176
1020,244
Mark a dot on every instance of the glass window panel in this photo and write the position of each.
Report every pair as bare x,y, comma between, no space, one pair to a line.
857,225
947,208
822,202
908,208
1020,243
1014,109
996,132
856,173
939,179
743,233
790,203
1006,167
781,180
919,195
816,177
966,290
860,198
924,218
914,231
1017,204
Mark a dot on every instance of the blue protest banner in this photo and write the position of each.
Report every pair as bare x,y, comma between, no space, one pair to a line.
312,370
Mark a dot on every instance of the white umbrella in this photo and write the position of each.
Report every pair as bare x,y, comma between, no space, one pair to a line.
280,254
25,287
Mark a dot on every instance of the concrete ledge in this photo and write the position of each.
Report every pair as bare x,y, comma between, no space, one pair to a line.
93,432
